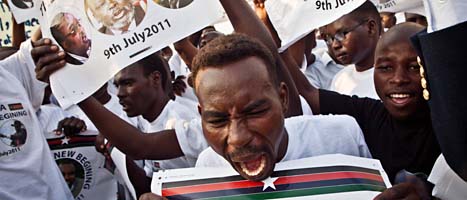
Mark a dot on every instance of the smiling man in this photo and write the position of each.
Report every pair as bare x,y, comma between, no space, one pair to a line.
398,128
116,16
242,106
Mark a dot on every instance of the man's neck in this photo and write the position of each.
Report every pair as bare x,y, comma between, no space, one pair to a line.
366,63
156,109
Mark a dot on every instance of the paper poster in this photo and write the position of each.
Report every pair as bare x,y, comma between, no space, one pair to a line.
6,26
100,37
88,173
293,19
321,177
24,9
395,6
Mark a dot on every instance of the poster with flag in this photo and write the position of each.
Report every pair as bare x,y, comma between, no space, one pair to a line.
293,19
321,177
101,37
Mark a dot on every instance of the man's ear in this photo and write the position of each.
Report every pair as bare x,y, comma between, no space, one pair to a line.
156,78
284,96
373,28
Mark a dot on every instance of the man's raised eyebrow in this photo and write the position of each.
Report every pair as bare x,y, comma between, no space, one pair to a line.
254,105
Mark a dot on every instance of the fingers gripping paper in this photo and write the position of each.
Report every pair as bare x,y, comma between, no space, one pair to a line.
101,37
293,19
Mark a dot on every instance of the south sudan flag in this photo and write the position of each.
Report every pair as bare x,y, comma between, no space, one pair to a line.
71,142
282,184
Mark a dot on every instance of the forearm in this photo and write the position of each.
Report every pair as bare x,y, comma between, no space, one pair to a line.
304,87
128,138
138,178
186,50
19,35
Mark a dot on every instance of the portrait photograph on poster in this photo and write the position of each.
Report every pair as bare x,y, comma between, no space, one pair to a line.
101,37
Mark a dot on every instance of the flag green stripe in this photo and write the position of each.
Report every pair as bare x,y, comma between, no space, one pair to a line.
303,192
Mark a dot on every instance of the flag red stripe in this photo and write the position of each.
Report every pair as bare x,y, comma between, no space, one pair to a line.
279,181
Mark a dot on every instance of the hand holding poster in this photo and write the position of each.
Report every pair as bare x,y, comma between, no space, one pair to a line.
100,37
294,19
24,9
321,177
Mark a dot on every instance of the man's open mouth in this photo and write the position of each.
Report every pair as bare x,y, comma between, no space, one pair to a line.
253,167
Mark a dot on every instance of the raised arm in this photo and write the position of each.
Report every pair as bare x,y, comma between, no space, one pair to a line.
127,138
186,50
244,20
303,86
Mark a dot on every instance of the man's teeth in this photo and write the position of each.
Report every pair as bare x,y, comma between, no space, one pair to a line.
256,171
399,96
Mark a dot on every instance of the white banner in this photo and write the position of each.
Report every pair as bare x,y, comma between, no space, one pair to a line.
100,38
322,177
294,19
395,6
24,9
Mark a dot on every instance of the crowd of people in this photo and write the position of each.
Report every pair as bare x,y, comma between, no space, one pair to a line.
366,85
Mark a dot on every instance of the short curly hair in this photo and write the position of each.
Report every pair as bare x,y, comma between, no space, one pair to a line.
227,49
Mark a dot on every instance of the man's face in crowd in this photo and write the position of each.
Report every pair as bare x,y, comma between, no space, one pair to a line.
68,172
355,45
415,18
397,79
242,116
388,20
113,14
136,90
76,41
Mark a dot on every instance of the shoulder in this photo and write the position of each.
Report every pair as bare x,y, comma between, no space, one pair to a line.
321,121
209,158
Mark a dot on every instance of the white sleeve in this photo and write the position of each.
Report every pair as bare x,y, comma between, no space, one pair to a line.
22,66
190,137
441,14
356,132
362,146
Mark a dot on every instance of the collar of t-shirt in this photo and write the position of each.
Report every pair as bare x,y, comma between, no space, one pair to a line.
327,60
367,74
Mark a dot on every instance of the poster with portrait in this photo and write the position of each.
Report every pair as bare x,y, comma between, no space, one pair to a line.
88,174
294,19
24,9
100,37
322,177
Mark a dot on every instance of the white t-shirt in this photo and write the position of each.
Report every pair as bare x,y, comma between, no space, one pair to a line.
26,167
172,112
177,65
104,180
310,136
351,82
448,185
322,71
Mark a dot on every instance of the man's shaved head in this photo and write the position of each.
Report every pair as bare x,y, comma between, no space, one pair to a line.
399,33
397,73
